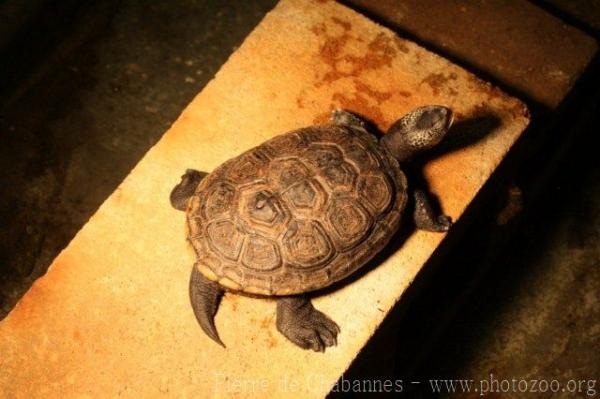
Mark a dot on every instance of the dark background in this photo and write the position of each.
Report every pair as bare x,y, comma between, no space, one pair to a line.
86,88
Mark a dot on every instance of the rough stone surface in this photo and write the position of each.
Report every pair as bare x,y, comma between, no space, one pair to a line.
514,42
112,315
87,105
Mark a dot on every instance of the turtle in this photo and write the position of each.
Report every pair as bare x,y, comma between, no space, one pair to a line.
302,211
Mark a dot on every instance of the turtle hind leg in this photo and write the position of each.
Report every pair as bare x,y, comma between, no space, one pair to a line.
182,192
304,325
205,296
425,217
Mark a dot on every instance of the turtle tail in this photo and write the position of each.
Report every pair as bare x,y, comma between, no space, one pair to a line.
205,296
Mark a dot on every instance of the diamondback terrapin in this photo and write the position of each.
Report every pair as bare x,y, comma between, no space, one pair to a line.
302,211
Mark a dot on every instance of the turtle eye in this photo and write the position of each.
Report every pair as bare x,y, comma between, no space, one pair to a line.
431,118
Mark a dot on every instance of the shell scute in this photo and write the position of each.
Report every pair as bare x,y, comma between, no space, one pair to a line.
285,172
261,210
340,176
376,192
219,200
306,244
225,238
350,222
324,155
261,254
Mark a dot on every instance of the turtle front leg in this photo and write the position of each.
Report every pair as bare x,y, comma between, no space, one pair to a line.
424,216
341,117
182,192
305,326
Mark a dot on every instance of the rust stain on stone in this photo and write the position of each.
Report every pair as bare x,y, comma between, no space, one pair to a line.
334,53
233,299
271,341
299,102
516,110
365,100
344,24
319,29
322,118
439,82
361,104
380,52
266,323
401,45
382,47
378,96
489,89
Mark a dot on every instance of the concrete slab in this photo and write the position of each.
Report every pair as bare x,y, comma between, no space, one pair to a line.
514,42
111,317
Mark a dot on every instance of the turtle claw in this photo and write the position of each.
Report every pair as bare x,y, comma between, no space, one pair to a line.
328,331
306,338
444,222
304,325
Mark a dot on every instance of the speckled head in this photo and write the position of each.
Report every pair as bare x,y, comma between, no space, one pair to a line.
419,130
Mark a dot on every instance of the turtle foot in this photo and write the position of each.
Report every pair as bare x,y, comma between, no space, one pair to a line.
304,325
424,216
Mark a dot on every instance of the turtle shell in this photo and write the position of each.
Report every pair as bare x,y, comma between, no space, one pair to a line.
298,212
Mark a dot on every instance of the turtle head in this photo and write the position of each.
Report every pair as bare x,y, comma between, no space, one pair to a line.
419,130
